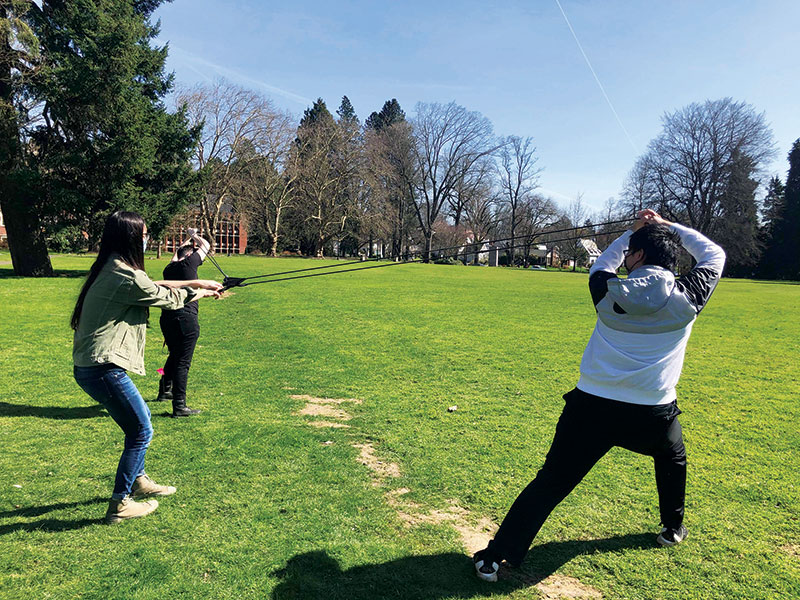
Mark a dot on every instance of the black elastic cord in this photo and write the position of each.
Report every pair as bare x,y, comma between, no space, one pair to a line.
420,252
236,282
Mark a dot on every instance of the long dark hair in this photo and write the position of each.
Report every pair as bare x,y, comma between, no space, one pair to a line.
122,235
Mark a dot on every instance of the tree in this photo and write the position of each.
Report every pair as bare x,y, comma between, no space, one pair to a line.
535,213
390,114
449,140
327,163
791,216
388,143
772,231
264,188
19,53
518,176
93,133
231,119
738,230
686,168
572,248
782,256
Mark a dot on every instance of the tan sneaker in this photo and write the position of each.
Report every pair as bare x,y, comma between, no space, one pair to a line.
143,486
119,510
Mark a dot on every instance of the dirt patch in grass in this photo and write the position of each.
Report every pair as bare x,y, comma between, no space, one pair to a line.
318,410
324,407
791,549
322,424
381,469
312,400
554,587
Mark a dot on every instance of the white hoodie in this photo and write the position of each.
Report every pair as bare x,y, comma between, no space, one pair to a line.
637,347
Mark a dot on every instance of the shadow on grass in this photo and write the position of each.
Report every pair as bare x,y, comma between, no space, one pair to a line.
49,525
315,575
51,412
70,273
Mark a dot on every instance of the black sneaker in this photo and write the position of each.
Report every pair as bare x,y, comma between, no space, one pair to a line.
486,565
164,390
672,537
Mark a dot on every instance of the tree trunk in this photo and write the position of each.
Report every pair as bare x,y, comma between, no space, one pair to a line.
428,246
26,241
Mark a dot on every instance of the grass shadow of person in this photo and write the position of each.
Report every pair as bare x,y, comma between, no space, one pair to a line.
51,412
313,575
49,524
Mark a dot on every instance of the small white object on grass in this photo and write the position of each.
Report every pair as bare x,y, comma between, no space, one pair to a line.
453,408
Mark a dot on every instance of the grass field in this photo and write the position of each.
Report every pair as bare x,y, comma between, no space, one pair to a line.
271,506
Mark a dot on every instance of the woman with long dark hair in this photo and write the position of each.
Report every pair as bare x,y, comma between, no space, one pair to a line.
109,320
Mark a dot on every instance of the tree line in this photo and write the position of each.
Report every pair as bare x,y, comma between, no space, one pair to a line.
86,129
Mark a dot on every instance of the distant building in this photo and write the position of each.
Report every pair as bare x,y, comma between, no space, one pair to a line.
3,234
230,236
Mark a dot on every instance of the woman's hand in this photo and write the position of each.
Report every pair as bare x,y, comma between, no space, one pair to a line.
207,284
207,293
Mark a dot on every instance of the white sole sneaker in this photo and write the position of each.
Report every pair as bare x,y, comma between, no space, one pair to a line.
677,538
490,577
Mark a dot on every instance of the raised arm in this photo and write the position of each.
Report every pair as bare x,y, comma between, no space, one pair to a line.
699,283
203,246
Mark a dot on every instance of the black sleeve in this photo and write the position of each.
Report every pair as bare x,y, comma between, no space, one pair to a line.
598,285
698,285
194,259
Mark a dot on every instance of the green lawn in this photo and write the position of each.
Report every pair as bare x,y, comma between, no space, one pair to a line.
269,506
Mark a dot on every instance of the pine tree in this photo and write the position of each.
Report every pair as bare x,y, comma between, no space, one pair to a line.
346,112
738,222
390,114
772,216
105,140
790,224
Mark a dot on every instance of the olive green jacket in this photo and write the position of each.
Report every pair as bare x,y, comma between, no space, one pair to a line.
112,323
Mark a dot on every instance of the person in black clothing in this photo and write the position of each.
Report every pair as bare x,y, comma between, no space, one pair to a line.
181,328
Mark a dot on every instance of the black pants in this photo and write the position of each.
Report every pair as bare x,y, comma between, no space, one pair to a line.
588,428
181,330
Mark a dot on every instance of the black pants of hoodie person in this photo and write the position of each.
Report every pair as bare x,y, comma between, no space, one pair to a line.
588,428
181,330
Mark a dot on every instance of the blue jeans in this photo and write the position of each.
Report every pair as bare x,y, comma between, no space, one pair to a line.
111,387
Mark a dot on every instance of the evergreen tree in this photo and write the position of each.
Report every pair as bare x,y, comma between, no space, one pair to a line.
738,222
390,114
346,112
772,216
104,140
790,224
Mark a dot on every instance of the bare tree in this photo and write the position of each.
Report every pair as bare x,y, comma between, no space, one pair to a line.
266,179
686,167
518,176
576,216
233,120
329,161
449,140
535,214
478,202
390,166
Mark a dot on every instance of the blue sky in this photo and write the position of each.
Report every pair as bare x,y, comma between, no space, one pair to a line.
515,62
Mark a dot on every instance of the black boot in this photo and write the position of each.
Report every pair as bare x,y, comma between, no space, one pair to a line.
164,390
179,409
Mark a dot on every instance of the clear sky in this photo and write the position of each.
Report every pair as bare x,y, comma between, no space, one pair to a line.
516,62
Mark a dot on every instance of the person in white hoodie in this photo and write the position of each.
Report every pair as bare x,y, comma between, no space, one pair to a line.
626,392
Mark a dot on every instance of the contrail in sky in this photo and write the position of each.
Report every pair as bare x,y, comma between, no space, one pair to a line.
600,85
189,58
